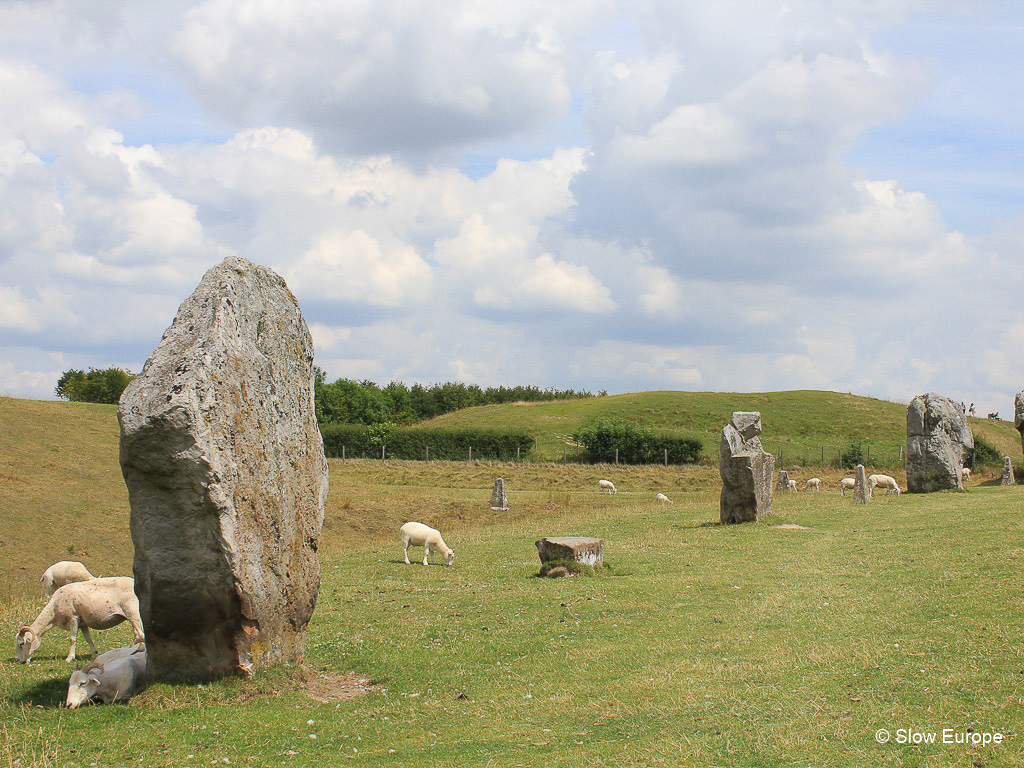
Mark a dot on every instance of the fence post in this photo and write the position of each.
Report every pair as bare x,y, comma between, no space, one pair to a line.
428,453
869,453
823,455
517,454
343,453
382,453
666,457
563,455
616,455
782,452
471,453
840,459
901,453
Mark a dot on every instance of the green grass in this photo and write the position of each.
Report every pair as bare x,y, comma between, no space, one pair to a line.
745,645
798,423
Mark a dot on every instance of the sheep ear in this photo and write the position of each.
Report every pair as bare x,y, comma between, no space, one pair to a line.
94,679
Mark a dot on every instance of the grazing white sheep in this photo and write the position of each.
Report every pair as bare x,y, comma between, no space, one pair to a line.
85,605
885,481
791,485
661,498
847,483
965,475
64,572
420,535
606,484
814,482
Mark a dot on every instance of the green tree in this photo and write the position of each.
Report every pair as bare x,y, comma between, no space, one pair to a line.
97,386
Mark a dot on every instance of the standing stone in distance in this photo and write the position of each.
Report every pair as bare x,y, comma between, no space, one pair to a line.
939,443
1018,415
861,489
499,499
227,479
782,484
746,470
582,549
1007,478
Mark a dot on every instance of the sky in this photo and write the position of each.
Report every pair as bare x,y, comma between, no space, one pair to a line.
743,195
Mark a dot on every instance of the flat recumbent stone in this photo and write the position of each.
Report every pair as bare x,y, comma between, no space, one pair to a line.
582,549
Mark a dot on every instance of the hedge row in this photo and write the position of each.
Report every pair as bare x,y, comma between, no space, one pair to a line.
630,444
412,442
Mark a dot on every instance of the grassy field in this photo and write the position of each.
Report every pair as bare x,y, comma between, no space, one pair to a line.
799,423
747,645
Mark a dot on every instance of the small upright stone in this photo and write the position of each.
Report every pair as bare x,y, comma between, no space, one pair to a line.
582,549
226,478
499,499
782,484
939,443
746,470
1007,478
861,489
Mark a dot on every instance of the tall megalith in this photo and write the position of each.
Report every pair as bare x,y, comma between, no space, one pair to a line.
939,444
746,469
227,479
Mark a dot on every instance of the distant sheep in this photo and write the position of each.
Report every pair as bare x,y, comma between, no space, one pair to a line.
791,485
95,604
847,484
606,485
420,535
884,481
965,475
814,482
64,572
661,498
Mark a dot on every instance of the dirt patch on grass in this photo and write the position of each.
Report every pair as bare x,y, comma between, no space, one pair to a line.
328,687
792,527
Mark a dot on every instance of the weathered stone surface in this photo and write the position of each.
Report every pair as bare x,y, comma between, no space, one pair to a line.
582,549
499,499
782,484
861,489
939,443
227,479
1007,478
1018,415
746,470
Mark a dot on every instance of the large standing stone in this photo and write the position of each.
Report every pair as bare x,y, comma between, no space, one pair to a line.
499,499
1007,478
782,484
226,478
582,549
939,443
861,489
746,470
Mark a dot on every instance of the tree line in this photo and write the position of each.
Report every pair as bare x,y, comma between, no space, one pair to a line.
344,401
364,402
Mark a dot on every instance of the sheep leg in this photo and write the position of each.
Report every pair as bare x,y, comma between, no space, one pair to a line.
407,552
136,621
73,636
88,637
426,553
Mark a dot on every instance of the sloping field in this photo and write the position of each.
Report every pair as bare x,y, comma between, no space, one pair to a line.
710,645
799,423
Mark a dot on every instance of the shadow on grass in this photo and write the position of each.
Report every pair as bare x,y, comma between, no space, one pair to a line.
50,694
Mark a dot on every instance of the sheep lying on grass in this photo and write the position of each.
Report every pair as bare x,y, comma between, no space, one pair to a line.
64,572
420,535
884,481
85,605
114,676
606,485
